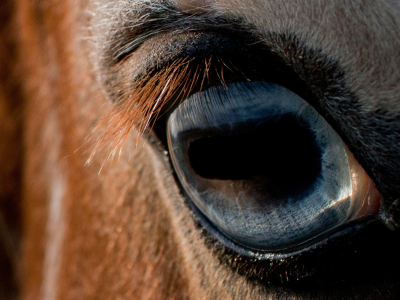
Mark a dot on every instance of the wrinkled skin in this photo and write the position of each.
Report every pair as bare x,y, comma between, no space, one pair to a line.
69,233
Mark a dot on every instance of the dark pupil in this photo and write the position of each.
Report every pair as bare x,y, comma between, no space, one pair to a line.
282,153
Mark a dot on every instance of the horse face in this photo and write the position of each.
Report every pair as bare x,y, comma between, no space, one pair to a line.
104,213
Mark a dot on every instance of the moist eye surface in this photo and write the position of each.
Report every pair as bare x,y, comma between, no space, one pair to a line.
262,165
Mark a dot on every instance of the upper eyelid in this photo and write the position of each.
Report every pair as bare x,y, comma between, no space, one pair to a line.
126,36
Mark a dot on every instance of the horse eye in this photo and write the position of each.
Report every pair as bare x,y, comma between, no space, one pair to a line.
264,167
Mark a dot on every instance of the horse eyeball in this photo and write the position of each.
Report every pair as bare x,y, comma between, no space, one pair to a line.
264,167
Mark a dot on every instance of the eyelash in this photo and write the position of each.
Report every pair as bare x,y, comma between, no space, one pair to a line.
146,101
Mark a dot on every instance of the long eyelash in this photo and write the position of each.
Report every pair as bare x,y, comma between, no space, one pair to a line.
140,108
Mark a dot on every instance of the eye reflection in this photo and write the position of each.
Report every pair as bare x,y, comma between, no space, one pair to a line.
264,167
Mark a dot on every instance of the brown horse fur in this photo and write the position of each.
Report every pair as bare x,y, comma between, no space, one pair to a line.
68,232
